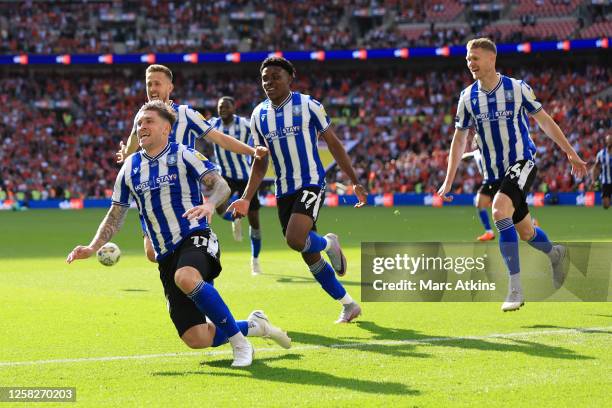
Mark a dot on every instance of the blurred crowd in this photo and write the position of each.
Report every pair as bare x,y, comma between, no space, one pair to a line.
49,27
59,130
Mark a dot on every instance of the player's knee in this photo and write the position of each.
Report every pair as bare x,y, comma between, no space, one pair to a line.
295,243
195,342
186,278
526,235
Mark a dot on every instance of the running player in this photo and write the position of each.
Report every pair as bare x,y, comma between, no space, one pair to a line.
603,171
235,169
289,124
497,106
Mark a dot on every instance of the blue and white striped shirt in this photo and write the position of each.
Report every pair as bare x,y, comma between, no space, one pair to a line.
290,132
233,165
189,126
605,162
501,121
164,187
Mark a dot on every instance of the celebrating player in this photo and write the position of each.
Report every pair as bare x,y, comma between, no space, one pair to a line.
289,124
235,170
497,106
190,125
164,180
603,171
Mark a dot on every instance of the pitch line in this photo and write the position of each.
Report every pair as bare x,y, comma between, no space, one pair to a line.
309,347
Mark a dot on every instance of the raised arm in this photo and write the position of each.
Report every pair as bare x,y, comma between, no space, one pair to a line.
344,162
126,149
109,226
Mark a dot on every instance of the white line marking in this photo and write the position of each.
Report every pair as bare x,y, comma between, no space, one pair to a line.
372,343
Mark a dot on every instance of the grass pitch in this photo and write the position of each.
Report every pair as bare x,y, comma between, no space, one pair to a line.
106,331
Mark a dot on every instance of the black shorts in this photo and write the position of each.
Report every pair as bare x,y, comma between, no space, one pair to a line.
307,200
201,251
516,184
238,186
489,189
606,190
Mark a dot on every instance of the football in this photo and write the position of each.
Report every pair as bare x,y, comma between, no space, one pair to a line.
109,254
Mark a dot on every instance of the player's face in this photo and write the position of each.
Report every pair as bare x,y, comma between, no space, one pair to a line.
226,109
609,140
158,86
480,62
275,82
152,130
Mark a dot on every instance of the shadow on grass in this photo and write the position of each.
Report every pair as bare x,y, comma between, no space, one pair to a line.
578,329
406,341
475,343
261,370
307,278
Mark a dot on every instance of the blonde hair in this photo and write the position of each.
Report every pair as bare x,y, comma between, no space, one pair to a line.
483,43
160,68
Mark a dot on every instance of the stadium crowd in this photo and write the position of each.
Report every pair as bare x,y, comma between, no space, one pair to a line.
44,27
60,131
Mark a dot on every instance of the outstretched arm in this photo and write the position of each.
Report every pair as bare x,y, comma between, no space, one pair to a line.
240,207
552,130
344,162
454,158
236,146
219,193
109,226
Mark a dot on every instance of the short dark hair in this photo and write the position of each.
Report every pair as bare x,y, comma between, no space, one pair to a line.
227,98
166,112
160,68
279,62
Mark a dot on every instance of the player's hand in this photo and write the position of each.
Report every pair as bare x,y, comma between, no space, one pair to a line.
443,191
362,195
200,211
579,167
260,152
80,252
239,208
122,153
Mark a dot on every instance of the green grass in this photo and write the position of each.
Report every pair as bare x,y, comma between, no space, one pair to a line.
402,354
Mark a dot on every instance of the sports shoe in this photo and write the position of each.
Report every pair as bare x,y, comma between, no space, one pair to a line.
270,331
349,312
487,236
513,301
336,257
243,354
559,266
237,229
255,268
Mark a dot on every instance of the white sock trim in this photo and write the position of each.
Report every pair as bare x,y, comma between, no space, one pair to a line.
346,299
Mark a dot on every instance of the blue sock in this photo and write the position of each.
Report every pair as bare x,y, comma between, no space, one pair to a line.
484,219
210,303
540,241
221,338
255,235
314,243
325,275
508,244
228,217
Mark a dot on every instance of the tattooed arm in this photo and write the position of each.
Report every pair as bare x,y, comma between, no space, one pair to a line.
109,226
219,193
